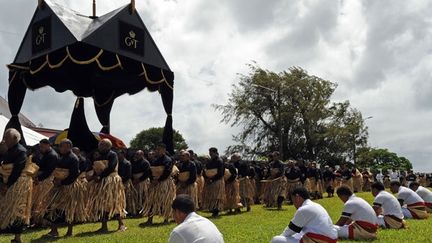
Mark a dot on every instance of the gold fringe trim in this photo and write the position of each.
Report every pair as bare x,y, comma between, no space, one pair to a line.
106,102
89,61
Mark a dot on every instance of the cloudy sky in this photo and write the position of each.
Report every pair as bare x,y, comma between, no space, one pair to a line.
379,52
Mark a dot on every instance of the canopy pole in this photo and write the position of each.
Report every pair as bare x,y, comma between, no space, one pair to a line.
94,8
40,3
132,7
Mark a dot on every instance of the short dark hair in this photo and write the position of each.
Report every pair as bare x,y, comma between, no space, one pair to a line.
161,145
184,203
302,192
414,183
213,150
44,141
344,191
395,183
378,186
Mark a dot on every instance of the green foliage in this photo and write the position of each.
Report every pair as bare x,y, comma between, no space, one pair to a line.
291,111
376,158
150,138
259,225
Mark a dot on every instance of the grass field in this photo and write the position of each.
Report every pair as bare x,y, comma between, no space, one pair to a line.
259,225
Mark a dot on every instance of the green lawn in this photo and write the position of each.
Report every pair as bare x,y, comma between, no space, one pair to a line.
259,225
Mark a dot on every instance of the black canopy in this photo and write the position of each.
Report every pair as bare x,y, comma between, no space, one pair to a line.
100,57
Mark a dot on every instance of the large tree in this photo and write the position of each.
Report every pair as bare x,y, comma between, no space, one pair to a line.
291,111
378,158
150,138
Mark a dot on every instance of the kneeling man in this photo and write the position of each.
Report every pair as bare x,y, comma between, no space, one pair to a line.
311,222
358,220
387,208
191,227
413,206
424,193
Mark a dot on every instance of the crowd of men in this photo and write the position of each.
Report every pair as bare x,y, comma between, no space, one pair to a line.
63,186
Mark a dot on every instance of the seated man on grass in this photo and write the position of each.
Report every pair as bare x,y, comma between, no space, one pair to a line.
358,220
191,227
413,206
311,222
387,208
424,193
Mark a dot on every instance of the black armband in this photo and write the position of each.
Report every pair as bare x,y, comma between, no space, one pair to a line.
294,227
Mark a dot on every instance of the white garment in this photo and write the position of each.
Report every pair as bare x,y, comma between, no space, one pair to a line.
408,196
389,204
357,209
394,176
196,229
425,194
380,177
310,217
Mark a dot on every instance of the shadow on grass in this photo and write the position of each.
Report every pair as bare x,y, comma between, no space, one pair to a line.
154,225
45,238
94,233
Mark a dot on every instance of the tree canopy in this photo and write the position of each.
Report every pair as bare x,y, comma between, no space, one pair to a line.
292,112
377,158
150,138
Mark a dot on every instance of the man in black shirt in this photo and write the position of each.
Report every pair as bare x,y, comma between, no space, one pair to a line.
106,191
329,178
162,190
15,200
293,175
186,180
231,188
43,182
200,178
275,192
245,181
68,195
141,179
214,187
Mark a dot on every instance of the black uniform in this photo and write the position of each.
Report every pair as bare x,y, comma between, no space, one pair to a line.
279,165
125,170
293,173
232,170
18,157
190,167
164,161
216,163
112,159
242,167
141,166
47,164
69,161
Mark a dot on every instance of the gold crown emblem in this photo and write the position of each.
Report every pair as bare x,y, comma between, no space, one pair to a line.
41,30
132,34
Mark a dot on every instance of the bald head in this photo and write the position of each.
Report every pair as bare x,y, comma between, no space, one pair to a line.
104,145
11,137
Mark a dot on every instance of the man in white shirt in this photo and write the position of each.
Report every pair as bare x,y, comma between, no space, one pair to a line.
387,208
424,193
412,204
191,227
358,220
311,222
380,177
394,175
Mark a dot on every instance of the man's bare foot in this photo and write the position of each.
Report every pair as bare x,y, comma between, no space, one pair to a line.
122,228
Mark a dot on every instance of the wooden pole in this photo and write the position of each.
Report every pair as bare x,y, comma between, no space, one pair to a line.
132,7
40,3
94,8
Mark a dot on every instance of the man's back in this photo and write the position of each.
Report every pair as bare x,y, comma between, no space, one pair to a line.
408,196
425,194
359,210
196,229
389,204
